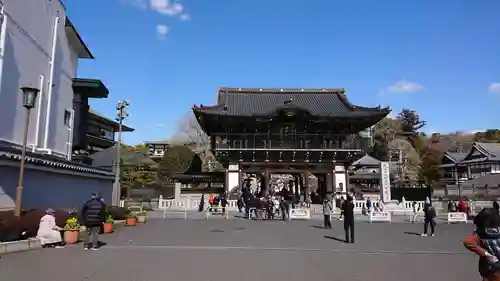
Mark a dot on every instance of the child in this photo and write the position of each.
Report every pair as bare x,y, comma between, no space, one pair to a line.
484,242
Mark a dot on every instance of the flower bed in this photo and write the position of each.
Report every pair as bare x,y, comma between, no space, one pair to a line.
13,229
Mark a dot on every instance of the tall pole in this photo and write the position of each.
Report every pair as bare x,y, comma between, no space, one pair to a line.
19,191
116,185
121,114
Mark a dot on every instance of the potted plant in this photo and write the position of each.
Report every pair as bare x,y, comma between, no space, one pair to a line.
108,224
71,231
141,216
131,220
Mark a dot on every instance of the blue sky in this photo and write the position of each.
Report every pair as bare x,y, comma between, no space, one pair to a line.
441,58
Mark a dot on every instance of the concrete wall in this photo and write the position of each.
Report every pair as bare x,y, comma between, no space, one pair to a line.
44,189
27,49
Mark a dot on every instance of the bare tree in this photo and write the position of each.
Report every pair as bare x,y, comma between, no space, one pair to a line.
189,133
407,158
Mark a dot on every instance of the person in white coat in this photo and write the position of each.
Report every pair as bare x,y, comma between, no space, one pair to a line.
48,232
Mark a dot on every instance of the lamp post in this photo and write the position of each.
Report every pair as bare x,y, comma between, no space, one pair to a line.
29,100
121,114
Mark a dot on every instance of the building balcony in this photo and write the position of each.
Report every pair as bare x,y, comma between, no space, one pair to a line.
309,142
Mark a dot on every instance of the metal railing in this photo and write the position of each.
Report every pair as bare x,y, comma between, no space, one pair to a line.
290,141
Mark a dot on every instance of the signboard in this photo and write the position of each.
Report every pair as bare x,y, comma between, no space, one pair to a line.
385,182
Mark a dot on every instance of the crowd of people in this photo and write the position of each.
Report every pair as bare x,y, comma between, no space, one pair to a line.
484,241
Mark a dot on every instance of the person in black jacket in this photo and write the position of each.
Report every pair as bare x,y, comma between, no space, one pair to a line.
429,217
93,215
349,220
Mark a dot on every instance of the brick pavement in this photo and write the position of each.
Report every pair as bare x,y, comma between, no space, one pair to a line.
222,250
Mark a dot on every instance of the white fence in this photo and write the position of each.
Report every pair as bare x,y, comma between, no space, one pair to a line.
190,204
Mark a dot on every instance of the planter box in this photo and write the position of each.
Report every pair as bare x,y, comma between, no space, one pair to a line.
18,246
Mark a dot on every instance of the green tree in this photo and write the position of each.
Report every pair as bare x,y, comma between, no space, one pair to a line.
176,160
411,121
490,135
137,169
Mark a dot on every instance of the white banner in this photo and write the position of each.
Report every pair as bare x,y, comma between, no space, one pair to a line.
385,182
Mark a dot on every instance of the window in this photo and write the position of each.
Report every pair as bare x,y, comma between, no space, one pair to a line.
67,118
68,121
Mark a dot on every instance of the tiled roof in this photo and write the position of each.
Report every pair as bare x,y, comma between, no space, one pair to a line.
265,102
107,158
456,156
492,150
366,160
13,153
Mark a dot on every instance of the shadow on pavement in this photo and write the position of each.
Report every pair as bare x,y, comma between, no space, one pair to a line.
335,238
411,233
317,226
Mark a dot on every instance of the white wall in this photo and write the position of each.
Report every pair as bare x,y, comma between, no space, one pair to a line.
45,189
27,51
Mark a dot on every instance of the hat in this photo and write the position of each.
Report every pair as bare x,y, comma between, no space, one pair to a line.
50,211
95,195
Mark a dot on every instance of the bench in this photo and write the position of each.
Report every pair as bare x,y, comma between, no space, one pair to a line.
457,217
167,212
417,216
336,213
380,217
213,210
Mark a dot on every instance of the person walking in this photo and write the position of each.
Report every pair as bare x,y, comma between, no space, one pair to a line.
429,217
349,220
342,203
327,213
93,215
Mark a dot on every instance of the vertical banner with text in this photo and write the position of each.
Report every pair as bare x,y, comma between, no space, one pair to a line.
385,182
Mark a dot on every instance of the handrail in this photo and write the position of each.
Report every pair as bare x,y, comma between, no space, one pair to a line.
289,141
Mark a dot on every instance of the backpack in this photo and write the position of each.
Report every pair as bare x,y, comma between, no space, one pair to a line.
490,240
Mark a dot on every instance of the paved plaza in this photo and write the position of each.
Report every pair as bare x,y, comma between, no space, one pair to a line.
229,250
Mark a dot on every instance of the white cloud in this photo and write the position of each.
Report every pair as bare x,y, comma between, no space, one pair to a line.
494,88
162,31
405,86
166,7
185,17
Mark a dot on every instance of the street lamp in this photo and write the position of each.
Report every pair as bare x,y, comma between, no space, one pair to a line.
121,114
29,101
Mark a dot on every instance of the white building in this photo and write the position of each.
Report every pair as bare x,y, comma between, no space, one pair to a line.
40,48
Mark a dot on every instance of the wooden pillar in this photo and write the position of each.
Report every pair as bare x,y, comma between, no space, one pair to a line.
348,185
296,185
329,185
264,183
307,191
